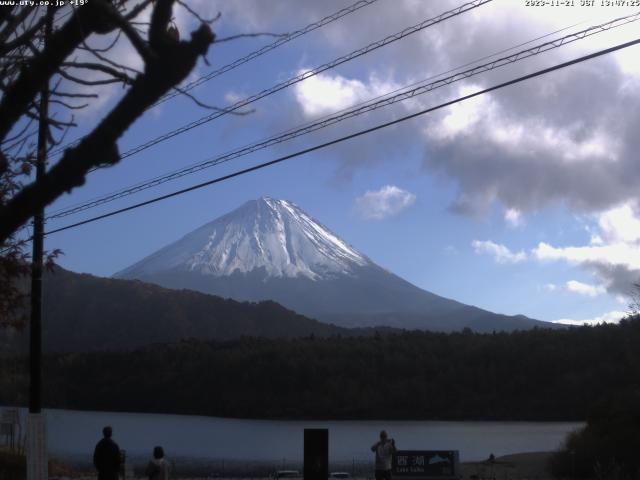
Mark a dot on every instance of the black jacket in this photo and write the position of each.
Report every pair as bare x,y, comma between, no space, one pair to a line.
106,459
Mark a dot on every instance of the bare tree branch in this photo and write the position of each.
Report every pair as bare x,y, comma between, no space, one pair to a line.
137,10
68,105
27,63
42,66
197,15
18,135
123,77
80,81
58,141
102,50
22,38
5,13
19,144
211,107
111,62
171,64
60,124
160,18
14,23
136,40
57,93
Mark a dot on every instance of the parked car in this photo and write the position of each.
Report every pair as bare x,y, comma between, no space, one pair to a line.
287,474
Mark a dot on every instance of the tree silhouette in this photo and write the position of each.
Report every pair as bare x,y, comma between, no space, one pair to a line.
29,62
167,61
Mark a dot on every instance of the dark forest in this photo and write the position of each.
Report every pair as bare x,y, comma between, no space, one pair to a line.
527,375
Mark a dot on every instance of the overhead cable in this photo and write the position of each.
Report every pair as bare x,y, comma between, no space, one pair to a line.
348,137
251,56
350,113
305,75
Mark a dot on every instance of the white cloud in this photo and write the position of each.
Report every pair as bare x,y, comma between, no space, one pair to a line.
566,139
461,117
468,120
513,217
500,253
620,225
232,97
610,317
585,289
497,149
326,93
612,254
550,287
386,202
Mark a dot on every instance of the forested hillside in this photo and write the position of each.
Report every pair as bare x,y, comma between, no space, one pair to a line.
532,375
83,312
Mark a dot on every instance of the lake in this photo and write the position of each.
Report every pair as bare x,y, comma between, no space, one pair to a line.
75,433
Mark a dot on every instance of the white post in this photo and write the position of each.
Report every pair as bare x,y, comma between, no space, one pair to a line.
37,461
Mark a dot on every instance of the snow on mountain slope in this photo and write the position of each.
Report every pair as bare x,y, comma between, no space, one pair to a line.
274,235
270,249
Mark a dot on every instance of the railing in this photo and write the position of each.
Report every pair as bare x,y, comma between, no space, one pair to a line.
11,430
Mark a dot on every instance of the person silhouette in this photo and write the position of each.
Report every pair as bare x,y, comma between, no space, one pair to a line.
158,467
384,450
106,456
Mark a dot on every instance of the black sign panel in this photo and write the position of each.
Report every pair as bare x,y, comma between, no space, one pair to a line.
316,453
426,463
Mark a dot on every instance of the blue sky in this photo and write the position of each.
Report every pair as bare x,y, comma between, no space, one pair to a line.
520,201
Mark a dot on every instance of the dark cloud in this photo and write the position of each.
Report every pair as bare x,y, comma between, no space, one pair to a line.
577,127
577,147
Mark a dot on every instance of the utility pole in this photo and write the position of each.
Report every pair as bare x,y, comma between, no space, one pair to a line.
37,461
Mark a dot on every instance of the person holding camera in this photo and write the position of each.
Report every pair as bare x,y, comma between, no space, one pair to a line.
384,450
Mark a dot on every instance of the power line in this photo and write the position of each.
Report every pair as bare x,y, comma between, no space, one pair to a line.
267,48
108,197
305,75
349,137
362,51
251,56
358,110
308,74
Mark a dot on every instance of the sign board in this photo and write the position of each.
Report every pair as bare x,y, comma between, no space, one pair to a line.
426,464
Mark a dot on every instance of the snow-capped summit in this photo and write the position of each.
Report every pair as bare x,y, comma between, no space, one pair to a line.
270,249
269,234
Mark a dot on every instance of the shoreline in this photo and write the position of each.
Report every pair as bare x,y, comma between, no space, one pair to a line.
310,419
524,465
517,466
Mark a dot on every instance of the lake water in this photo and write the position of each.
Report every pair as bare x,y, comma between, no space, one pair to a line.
75,433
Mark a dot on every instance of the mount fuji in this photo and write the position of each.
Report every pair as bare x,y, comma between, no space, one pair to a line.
270,249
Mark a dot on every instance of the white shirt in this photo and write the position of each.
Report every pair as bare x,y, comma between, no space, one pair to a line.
158,469
384,453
